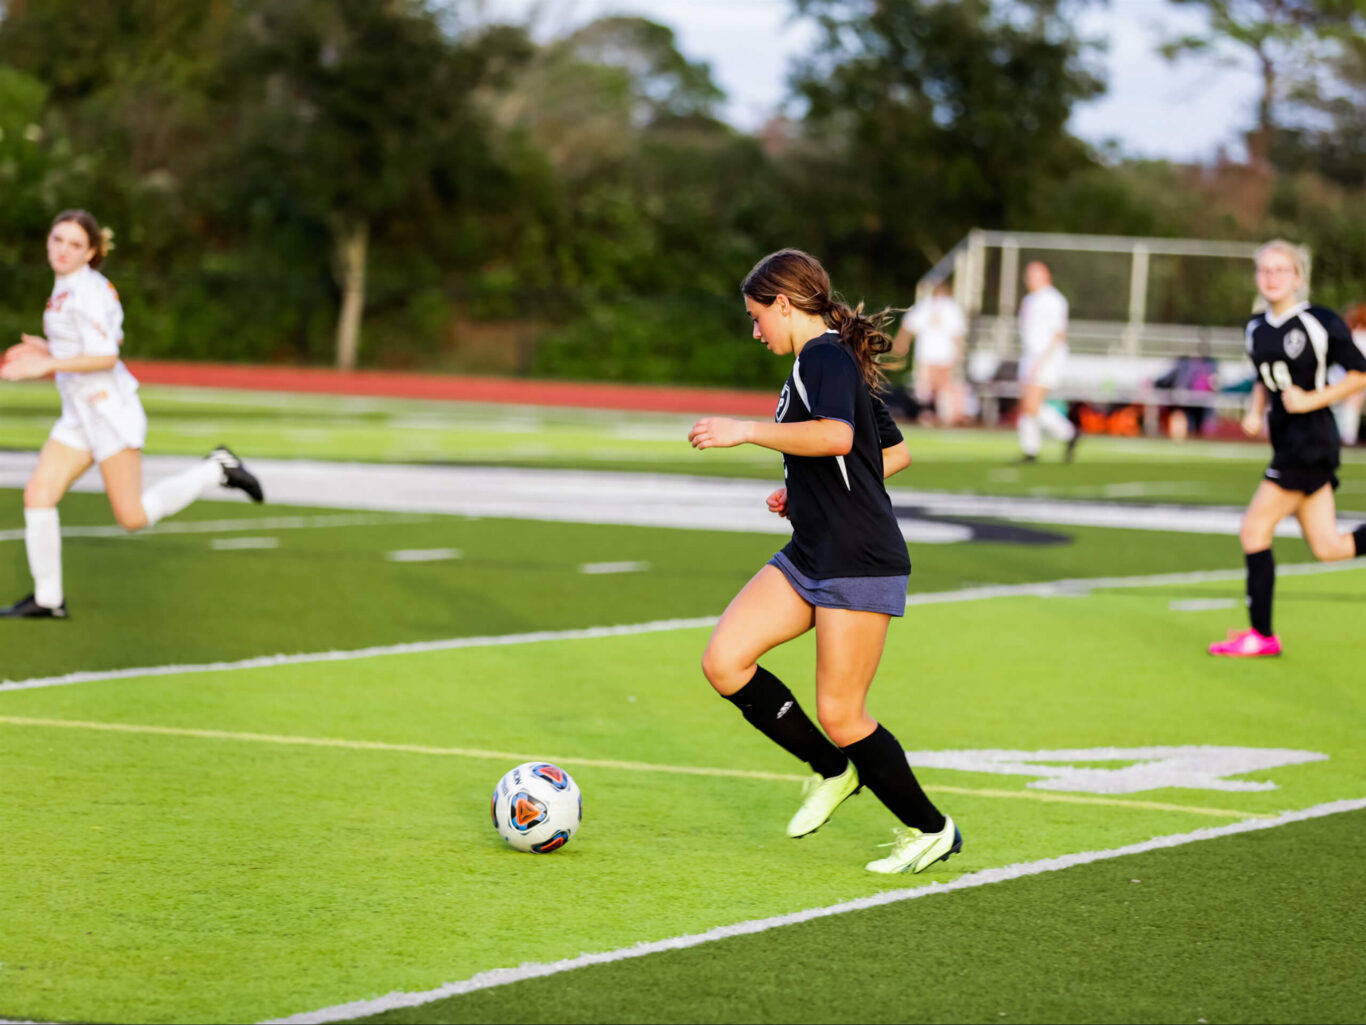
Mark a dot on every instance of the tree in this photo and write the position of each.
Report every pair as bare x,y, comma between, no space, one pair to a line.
1284,37
356,112
925,118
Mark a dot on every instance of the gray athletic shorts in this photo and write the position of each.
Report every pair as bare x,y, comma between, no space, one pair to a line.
861,594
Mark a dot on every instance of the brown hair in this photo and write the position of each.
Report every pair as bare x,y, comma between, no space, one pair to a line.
100,239
801,278
1355,316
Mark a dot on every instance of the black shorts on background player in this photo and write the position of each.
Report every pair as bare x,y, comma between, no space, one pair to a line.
1297,349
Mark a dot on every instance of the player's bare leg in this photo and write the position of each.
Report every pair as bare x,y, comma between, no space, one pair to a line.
766,613
122,473
849,647
58,468
1318,518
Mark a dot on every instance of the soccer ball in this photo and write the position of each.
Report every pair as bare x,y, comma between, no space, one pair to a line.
537,807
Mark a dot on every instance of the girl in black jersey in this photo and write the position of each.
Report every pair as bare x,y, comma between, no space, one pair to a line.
845,570
1291,345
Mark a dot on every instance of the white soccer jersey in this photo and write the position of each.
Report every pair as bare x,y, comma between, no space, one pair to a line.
85,318
936,322
1043,316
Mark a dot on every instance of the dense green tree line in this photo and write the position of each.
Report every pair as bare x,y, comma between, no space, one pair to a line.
392,183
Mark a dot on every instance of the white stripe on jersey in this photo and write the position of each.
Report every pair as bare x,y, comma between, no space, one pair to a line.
1318,338
801,394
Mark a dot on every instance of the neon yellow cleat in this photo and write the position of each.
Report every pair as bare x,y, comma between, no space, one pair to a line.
820,798
914,851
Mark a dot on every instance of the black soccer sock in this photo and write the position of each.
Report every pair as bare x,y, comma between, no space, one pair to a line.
1261,583
883,769
1359,536
769,706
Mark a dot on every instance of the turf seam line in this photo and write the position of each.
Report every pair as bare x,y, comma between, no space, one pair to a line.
505,976
1069,587
592,763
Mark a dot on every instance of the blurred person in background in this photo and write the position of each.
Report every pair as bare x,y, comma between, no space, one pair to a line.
1292,345
1191,373
1348,411
1043,354
102,419
938,327
843,574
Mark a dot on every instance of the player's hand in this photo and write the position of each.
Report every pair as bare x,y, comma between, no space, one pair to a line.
29,343
717,432
777,502
1252,425
1296,400
26,364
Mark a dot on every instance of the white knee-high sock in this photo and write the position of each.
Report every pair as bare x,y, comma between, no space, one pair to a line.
43,539
1055,424
1030,437
167,497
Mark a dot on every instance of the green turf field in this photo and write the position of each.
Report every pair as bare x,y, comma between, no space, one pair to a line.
243,842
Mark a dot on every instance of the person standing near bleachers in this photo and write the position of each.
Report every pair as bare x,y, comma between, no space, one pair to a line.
937,324
1043,344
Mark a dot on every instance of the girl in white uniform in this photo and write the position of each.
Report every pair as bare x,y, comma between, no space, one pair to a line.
102,419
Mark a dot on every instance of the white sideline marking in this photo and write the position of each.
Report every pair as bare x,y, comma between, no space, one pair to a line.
424,554
226,526
506,976
1203,605
1073,587
597,568
411,648
235,544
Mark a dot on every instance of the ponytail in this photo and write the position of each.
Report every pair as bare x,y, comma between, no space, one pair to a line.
801,278
866,335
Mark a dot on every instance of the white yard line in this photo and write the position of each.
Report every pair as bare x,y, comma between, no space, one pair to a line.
412,648
507,976
1068,588
235,525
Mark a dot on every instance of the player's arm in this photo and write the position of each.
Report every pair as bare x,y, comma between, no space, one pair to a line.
1256,410
804,438
1297,400
33,343
901,343
895,458
27,365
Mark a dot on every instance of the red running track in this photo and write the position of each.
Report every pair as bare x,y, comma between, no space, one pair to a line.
393,384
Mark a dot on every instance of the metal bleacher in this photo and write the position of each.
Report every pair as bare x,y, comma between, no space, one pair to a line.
1118,288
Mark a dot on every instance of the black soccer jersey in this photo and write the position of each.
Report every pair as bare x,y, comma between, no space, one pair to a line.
842,519
1297,348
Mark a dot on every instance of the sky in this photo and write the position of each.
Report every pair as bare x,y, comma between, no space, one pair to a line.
1186,111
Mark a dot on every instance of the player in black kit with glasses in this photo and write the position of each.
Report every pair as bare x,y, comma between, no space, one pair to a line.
1291,345
845,570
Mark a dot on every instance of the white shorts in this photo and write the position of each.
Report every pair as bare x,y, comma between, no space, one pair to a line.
103,422
1050,369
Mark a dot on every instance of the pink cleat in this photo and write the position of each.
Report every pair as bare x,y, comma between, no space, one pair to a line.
1247,644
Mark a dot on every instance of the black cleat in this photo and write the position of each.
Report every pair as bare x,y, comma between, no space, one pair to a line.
1027,459
235,475
27,608
1071,449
